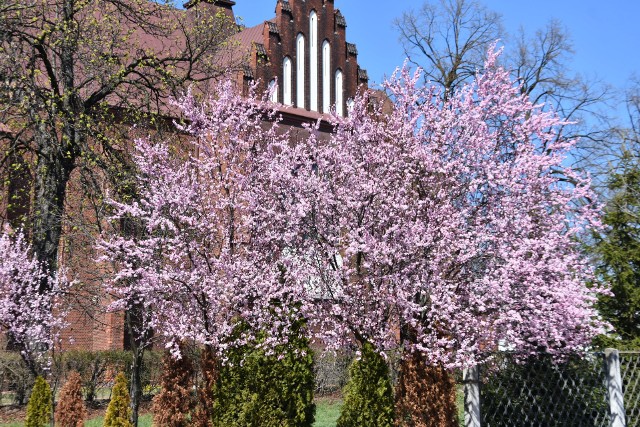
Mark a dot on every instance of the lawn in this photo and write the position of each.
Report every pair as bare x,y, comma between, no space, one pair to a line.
145,421
327,413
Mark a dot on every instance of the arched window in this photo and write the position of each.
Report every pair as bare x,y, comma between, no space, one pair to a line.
300,71
339,90
273,91
313,60
286,84
326,77
350,104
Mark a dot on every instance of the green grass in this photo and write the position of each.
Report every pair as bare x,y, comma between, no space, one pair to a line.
145,421
460,404
327,412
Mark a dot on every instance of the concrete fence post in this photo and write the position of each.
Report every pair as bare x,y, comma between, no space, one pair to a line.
471,381
614,388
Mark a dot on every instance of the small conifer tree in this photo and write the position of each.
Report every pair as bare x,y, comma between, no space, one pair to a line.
118,412
70,411
172,405
368,396
275,390
40,405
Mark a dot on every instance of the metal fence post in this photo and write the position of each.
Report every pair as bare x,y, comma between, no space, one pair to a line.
614,388
471,381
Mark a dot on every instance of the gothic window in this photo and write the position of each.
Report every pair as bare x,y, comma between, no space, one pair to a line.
350,104
339,93
326,77
286,84
300,71
313,60
273,91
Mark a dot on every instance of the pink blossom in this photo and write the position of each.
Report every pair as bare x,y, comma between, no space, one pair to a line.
442,226
31,316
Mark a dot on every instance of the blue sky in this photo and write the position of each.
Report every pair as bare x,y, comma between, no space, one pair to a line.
605,34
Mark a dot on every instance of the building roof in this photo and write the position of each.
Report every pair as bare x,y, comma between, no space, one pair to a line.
250,36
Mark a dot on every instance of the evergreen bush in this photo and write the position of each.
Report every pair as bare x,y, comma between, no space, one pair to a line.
260,390
40,405
70,411
118,412
368,395
171,406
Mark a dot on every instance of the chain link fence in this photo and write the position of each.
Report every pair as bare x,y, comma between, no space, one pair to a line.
596,390
537,392
630,372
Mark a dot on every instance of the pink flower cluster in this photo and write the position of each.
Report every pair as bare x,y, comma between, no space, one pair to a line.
444,225
29,300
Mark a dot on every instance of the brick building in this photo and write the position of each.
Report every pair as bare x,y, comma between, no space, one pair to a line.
304,54
304,49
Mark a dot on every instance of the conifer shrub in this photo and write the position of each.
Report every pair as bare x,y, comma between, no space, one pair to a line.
368,395
260,390
70,410
118,412
172,405
40,405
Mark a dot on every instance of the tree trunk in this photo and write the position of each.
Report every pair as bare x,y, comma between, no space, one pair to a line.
136,385
137,345
425,394
210,371
52,174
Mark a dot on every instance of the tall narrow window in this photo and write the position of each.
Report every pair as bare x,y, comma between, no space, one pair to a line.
350,104
300,71
339,90
273,91
286,84
326,77
313,61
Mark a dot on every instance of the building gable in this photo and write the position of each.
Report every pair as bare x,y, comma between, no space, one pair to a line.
304,48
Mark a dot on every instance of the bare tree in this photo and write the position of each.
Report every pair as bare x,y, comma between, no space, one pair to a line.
70,68
449,39
621,152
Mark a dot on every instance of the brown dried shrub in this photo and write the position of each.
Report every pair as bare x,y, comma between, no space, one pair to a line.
425,395
70,411
171,407
210,370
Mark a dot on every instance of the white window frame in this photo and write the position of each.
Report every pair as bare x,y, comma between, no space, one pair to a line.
339,93
313,60
287,80
326,77
273,89
300,70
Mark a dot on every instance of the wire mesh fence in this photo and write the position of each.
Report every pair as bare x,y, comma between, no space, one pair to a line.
630,372
539,392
